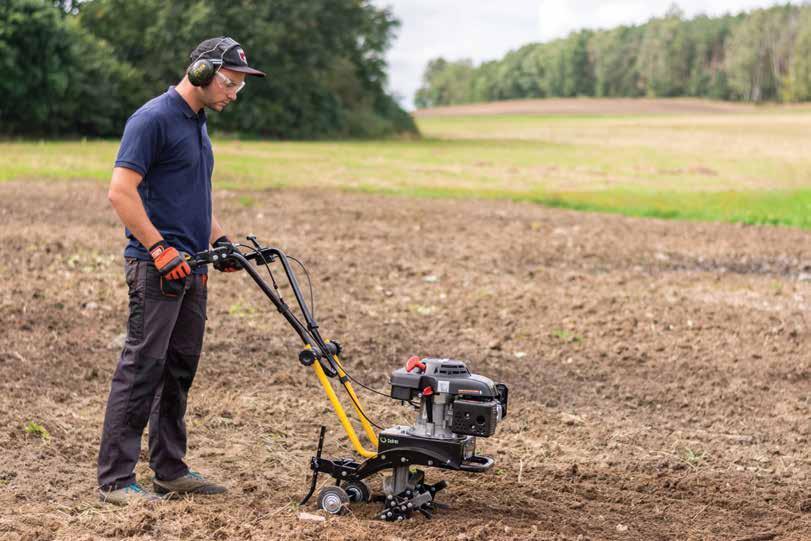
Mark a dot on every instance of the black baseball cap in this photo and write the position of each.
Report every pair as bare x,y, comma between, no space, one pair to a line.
228,51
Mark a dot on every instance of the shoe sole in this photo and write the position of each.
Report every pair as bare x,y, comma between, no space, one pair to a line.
114,501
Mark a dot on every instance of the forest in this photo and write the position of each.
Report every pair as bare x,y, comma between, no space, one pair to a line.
81,68
760,56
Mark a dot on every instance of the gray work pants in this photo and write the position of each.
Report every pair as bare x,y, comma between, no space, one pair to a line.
153,377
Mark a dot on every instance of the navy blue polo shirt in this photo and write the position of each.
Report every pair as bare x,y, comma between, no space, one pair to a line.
167,143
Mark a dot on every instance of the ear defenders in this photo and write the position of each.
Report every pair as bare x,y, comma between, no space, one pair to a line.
202,70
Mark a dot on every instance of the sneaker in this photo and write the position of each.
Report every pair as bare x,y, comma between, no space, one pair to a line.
128,494
191,483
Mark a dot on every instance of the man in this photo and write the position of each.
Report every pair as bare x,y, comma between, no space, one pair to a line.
161,191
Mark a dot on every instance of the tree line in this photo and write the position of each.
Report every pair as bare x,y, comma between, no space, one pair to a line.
81,67
762,55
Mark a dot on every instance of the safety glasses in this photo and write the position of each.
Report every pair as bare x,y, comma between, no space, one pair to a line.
228,84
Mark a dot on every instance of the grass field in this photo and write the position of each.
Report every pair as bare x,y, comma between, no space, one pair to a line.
742,165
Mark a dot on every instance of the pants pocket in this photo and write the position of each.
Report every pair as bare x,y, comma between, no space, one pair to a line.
160,289
172,288
135,323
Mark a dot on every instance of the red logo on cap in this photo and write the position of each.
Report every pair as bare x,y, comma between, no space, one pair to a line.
242,55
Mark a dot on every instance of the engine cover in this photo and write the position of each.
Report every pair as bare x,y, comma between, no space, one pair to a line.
453,402
444,376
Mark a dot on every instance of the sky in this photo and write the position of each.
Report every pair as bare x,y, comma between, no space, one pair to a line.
486,30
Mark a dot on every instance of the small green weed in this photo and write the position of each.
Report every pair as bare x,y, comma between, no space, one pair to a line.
247,201
240,309
693,458
566,336
37,430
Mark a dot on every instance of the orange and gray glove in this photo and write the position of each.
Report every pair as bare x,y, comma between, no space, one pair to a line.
168,261
227,264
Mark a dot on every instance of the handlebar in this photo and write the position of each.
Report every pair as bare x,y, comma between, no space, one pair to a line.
321,349
208,257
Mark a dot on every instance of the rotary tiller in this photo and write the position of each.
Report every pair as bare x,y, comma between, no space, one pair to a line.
454,408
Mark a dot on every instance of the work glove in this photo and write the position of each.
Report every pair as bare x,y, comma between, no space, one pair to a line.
228,264
168,261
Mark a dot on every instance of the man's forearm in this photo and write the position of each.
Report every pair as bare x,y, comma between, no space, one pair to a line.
131,212
216,229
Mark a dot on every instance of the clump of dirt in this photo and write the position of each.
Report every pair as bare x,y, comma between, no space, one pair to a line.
659,371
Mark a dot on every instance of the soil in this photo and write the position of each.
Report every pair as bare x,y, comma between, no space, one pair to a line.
590,106
659,371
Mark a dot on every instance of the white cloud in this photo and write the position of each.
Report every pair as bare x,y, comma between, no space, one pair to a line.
485,30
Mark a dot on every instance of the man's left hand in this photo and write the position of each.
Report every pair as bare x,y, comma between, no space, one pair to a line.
228,264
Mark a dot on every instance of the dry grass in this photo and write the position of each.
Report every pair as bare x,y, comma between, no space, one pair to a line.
589,106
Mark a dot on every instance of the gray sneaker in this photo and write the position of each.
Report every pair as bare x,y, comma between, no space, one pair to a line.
127,495
191,483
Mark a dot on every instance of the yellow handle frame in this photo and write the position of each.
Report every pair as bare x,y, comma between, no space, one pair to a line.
339,409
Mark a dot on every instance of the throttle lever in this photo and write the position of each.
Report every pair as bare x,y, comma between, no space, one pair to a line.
255,242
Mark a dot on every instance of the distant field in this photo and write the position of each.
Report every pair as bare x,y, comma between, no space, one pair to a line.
687,159
590,106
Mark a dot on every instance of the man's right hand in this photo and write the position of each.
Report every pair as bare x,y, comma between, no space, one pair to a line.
168,261
228,264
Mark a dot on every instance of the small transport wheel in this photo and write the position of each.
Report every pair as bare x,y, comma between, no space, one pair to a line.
333,499
358,491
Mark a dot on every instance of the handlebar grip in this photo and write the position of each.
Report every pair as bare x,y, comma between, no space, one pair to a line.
193,261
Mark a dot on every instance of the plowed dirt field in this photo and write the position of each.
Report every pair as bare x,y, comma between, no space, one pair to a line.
660,371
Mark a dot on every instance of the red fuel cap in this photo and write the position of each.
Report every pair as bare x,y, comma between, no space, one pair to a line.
415,362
